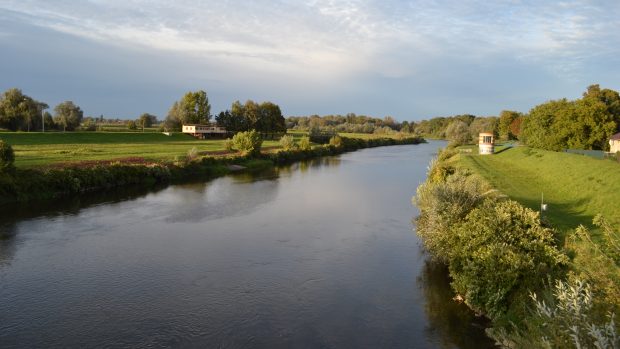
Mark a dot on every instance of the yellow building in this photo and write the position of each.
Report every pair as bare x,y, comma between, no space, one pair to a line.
486,143
614,143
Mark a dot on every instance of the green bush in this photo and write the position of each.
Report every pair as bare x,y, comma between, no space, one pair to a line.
131,125
499,253
561,319
443,204
287,142
248,142
304,143
7,156
228,144
336,141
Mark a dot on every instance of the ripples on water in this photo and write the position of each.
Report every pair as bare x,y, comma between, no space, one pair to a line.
315,255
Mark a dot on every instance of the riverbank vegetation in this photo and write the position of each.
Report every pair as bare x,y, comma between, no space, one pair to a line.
46,182
504,260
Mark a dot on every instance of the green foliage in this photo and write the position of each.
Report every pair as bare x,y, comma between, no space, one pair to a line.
500,252
7,156
458,133
586,123
443,203
335,141
506,119
68,116
20,112
146,120
304,143
266,118
287,142
194,108
131,125
248,142
320,136
561,319
228,144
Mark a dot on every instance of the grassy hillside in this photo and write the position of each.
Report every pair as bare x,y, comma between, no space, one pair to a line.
575,187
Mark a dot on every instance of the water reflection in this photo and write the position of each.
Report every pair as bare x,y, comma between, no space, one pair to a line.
445,316
315,254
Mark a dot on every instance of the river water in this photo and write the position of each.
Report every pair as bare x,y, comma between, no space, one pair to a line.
320,254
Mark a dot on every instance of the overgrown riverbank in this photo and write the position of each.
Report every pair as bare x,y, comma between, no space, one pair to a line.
22,185
519,271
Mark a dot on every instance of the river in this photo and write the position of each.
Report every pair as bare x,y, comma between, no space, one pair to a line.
319,254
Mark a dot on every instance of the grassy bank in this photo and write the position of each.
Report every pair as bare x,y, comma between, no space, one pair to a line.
44,149
575,187
36,149
499,252
47,182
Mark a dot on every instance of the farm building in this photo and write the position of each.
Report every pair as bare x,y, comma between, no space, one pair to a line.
202,131
614,143
486,143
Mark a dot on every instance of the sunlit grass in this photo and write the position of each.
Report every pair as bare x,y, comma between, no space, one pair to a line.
575,187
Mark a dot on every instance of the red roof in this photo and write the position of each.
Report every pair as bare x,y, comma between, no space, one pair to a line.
616,137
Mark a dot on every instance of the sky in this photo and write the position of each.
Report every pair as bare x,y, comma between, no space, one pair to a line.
411,60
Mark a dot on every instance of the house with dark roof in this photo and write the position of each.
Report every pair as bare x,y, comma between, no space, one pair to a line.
614,143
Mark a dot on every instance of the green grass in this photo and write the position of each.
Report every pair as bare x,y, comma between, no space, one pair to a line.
40,149
575,187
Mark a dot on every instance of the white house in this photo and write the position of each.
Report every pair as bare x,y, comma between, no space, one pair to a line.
202,131
614,143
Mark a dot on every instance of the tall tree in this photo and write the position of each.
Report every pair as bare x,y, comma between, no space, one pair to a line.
506,117
68,115
195,108
18,111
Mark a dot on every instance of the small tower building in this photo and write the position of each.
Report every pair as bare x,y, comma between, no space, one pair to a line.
486,143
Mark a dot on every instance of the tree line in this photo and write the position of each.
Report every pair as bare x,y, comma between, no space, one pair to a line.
585,123
19,112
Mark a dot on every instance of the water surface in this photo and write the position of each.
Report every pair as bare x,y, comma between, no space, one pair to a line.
315,255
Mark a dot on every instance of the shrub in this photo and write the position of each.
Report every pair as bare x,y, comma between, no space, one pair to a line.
336,141
7,156
287,142
192,154
304,143
443,204
562,319
131,125
248,142
500,252
228,144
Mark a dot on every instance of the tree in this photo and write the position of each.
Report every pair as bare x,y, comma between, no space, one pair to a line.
483,124
18,111
173,119
515,127
131,125
506,118
146,120
458,133
193,108
231,122
68,115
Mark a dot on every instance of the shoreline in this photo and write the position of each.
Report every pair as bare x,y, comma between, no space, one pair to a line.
28,185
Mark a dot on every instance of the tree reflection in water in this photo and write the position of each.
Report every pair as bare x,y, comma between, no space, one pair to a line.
446,316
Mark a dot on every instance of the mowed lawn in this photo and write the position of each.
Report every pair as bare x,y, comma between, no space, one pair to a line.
40,149
575,187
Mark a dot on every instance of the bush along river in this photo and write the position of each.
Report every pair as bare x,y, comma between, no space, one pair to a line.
318,254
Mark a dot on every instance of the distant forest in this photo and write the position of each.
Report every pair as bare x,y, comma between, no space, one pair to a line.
584,123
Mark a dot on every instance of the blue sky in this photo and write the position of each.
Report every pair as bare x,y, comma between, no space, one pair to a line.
407,59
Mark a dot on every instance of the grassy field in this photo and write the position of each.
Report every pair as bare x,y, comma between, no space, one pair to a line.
41,149
33,149
575,187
